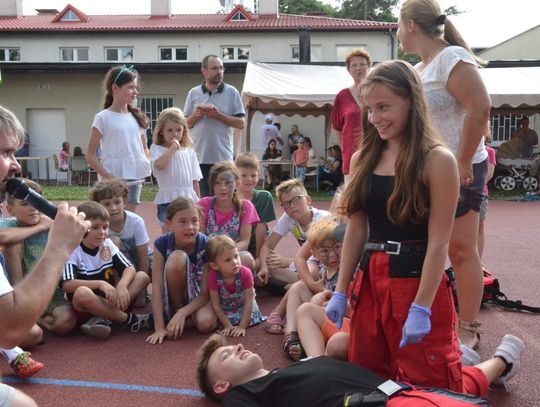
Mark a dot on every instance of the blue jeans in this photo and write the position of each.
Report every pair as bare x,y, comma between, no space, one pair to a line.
301,173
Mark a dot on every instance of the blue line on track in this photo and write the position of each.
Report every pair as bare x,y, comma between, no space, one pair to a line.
105,385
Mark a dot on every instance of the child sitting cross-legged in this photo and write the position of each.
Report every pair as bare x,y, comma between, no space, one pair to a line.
298,216
180,276
324,268
126,229
232,292
24,238
100,281
275,270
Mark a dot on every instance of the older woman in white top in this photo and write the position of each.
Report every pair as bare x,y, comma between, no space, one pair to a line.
460,105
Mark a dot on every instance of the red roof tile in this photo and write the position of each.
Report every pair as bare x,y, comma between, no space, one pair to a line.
189,22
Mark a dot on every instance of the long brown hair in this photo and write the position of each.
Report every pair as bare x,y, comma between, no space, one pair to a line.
120,75
409,200
217,169
428,15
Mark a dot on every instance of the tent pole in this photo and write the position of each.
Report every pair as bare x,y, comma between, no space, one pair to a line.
250,113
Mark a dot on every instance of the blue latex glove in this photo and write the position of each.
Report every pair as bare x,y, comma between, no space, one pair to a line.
336,307
416,326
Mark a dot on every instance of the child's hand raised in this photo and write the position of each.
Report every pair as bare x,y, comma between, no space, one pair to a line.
45,222
157,337
175,144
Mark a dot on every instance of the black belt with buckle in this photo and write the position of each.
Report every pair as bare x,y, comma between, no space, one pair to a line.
394,248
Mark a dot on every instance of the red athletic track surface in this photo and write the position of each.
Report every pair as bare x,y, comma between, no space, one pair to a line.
511,253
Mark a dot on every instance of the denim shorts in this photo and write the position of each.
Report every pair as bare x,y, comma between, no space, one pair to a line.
301,173
470,197
162,213
134,190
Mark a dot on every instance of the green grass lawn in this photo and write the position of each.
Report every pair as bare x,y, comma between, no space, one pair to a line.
80,193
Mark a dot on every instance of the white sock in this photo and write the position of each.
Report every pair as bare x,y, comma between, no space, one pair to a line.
12,353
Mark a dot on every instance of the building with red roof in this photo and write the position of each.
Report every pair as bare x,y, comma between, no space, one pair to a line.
52,63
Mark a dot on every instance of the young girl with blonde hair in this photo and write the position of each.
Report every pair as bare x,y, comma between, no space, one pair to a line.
174,161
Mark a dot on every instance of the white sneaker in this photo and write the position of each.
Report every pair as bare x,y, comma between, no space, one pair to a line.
469,357
511,350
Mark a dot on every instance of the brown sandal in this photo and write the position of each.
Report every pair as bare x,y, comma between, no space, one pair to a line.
293,347
474,327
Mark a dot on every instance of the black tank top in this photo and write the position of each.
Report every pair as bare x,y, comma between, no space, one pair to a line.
380,227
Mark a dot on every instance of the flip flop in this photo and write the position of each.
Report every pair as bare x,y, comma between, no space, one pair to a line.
274,324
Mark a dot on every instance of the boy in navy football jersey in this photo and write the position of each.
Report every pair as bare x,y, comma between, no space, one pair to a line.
100,281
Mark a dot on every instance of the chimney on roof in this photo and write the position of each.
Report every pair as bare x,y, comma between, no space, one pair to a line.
304,42
160,8
10,8
268,7
47,11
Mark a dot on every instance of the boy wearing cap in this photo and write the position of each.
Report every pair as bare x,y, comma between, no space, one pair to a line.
270,132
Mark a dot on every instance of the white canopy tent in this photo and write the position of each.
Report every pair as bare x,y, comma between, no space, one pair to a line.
515,88
292,89
282,89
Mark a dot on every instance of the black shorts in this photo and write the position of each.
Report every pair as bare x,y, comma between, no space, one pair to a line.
470,198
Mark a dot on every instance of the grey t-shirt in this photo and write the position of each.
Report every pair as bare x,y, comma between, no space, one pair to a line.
212,138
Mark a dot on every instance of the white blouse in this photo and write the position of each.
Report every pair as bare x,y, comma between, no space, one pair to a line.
177,178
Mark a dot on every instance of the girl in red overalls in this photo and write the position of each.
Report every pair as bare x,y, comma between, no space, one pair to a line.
404,190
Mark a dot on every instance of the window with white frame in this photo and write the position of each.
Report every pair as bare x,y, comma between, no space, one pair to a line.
70,54
10,54
503,126
70,16
235,53
173,54
343,50
316,52
119,54
152,106
239,16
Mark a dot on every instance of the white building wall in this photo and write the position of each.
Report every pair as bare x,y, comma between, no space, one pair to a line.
275,47
81,95
522,47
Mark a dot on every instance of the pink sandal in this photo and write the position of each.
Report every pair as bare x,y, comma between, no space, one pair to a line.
274,324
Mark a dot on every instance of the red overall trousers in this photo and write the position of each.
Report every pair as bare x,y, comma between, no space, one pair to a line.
380,307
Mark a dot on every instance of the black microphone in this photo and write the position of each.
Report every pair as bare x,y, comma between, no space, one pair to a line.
19,189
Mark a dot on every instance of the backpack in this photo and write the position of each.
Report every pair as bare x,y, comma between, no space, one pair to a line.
493,294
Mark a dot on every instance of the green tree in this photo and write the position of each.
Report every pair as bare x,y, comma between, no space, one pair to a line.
371,10
301,7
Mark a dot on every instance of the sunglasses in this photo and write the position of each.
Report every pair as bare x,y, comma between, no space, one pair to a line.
123,69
